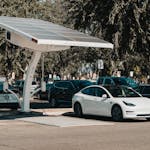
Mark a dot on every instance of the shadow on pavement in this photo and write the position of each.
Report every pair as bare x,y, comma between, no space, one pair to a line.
9,114
34,105
38,104
101,118
44,104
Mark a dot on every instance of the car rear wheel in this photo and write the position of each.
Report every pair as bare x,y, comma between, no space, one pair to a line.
148,119
117,113
78,110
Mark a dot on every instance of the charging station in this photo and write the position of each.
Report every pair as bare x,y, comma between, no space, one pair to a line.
42,36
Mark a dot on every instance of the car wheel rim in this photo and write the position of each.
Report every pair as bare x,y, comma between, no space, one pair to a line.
117,114
78,110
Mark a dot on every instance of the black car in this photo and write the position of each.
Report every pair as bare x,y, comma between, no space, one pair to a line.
44,95
62,91
144,90
110,80
19,85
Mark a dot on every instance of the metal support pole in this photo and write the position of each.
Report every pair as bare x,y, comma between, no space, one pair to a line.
28,81
42,64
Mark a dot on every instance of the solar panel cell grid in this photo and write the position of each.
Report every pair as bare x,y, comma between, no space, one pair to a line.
44,30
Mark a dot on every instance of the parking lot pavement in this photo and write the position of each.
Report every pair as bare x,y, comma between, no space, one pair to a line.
17,134
58,117
53,111
64,121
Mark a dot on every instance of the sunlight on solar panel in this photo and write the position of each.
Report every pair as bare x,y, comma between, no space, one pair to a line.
44,30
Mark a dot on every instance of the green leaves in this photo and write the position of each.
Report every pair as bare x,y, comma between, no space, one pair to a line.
123,22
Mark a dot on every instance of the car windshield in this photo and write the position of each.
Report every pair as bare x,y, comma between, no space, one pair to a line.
145,89
81,83
131,82
122,92
120,81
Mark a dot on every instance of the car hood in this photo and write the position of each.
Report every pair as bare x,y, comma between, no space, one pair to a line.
138,101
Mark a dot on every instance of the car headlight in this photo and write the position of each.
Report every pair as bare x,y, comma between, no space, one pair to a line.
128,104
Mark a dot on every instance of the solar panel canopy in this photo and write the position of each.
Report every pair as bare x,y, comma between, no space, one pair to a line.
42,35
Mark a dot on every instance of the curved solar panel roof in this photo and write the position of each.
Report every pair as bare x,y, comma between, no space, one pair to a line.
47,33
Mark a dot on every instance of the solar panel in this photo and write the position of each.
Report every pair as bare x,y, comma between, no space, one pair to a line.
48,33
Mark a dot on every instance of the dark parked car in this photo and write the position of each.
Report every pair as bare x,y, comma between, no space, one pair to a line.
62,91
144,90
19,84
117,81
44,95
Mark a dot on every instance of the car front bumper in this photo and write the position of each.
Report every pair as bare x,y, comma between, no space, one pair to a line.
137,113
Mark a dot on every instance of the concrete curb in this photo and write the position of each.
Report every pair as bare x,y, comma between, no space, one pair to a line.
35,112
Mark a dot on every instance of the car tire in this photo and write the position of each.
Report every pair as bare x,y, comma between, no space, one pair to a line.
53,102
117,113
78,110
148,119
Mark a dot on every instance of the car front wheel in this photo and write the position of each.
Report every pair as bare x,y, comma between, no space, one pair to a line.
117,113
78,110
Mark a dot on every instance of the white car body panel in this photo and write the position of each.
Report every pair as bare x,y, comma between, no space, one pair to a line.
94,106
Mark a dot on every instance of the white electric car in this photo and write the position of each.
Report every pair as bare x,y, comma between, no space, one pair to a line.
118,102
8,99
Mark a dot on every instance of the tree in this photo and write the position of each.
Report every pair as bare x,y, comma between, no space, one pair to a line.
122,22
13,58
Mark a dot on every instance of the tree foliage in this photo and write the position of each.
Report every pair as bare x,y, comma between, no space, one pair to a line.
13,58
125,23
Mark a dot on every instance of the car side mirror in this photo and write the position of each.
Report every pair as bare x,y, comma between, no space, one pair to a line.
104,96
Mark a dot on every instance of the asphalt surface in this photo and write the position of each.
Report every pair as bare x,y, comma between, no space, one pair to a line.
26,132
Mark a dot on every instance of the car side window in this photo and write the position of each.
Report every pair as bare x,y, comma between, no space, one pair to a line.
130,93
99,92
140,89
108,81
146,90
100,81
69,85
89,91
65,85
59,84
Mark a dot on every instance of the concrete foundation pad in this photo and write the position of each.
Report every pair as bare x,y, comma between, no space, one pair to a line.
63,121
